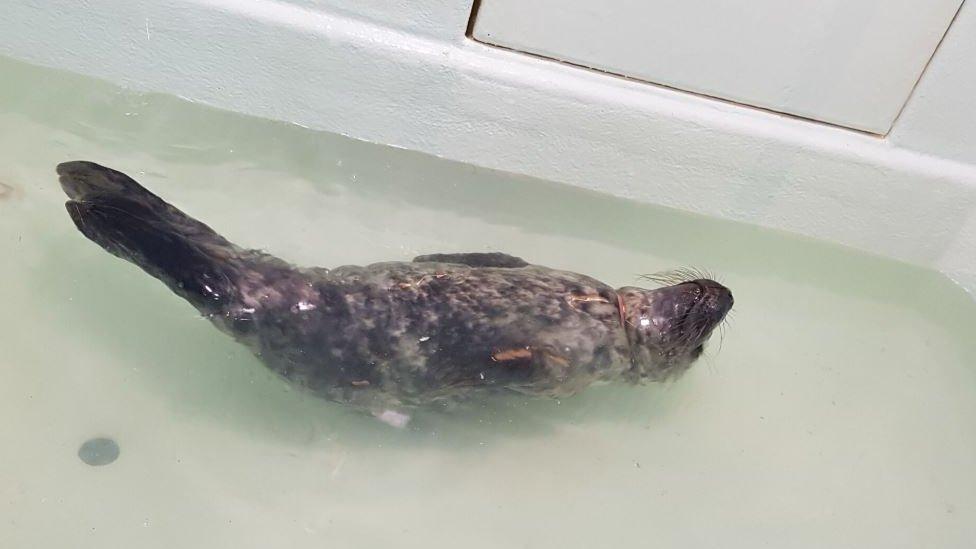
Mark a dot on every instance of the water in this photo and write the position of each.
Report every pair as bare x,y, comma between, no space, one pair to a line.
840,410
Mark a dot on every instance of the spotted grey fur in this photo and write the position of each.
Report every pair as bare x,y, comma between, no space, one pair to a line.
389,335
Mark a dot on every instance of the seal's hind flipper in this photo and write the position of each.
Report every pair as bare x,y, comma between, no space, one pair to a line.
494,259
81,179
130,222
88,182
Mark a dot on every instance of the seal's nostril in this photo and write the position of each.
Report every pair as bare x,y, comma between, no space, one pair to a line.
726,302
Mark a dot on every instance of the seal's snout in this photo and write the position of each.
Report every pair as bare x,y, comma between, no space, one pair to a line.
693,305
712,297
668,327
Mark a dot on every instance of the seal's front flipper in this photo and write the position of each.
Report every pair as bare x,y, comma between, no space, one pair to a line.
494,259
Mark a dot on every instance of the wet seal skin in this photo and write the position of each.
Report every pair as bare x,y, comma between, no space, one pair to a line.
390,336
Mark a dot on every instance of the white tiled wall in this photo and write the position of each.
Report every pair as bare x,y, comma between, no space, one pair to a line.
403,72
847,62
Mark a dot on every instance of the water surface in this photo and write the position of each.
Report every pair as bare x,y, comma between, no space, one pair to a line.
839,412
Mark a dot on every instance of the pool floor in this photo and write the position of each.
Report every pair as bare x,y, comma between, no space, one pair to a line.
839,409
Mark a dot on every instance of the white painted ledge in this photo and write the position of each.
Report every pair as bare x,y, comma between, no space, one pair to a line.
432,90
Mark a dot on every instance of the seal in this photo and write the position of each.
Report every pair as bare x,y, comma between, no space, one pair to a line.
389,336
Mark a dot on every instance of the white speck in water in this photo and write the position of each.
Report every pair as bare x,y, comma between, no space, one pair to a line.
393,418
248,310
425,338
338,466
645,321
145,523
481,375
339,163
305,306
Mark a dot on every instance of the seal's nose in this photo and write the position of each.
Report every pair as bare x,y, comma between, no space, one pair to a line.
725,299
719,295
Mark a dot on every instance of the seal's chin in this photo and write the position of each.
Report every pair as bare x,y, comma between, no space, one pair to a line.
668,327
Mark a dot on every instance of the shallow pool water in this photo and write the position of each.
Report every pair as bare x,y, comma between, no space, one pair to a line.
840,410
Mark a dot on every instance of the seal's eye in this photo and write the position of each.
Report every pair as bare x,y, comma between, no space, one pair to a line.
697,351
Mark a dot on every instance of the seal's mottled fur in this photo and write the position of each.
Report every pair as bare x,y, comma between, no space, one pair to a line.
403,333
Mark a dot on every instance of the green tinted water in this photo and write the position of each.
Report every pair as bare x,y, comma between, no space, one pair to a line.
840,411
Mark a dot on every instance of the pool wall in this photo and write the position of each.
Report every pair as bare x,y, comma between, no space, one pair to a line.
404,73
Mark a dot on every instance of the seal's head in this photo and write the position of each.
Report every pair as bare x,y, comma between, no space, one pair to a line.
668,327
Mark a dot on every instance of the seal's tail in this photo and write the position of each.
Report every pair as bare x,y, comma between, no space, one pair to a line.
130,222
